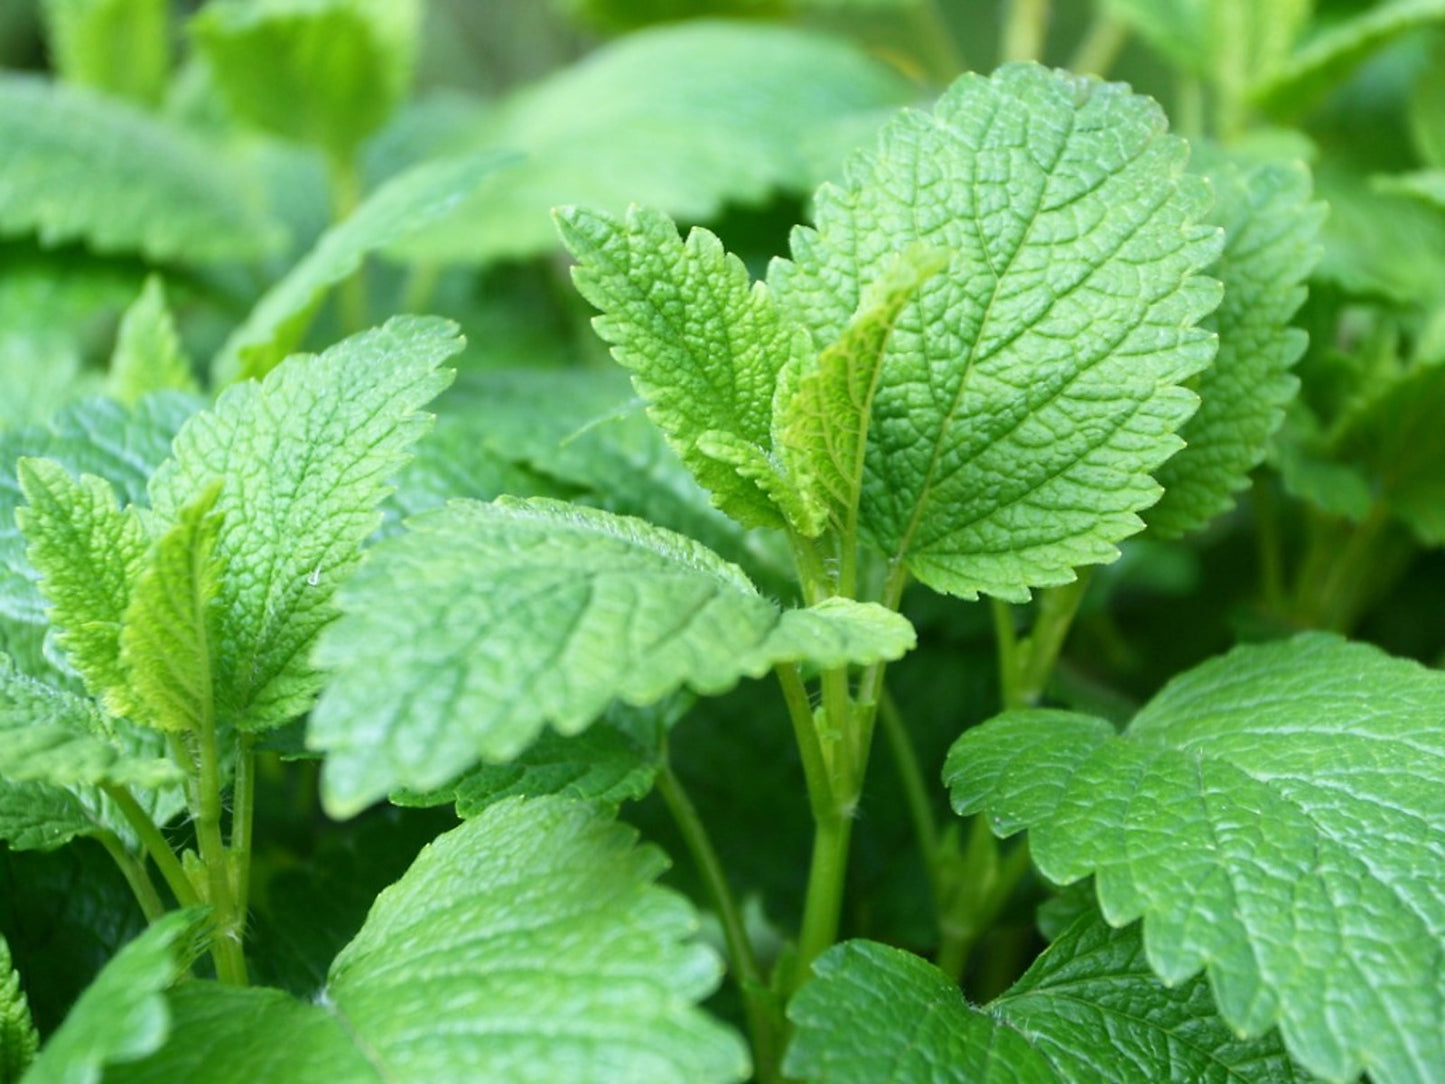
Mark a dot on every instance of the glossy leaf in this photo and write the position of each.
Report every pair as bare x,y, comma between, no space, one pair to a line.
304,459
161,192
525,613
529,944
1028,391
1273,816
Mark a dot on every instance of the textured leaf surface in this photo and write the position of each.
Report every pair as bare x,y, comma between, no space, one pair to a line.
613,761
79,167
523,613
324,72
169,625
1029,390
685,118
148,356
119,47
1270,245
400,207
18,1037
304,459
54,736
122,1016
1325,60
1275,817
705,345
1088,1010
529,944
89,553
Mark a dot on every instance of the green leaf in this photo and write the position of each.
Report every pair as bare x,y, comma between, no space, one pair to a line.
303,458
688,118
524,613
1425,185
613,761
56,737
1379,244
148,355
1325,60
18,1037
1427,112
1270,231
1395,440
119,47
89,553
529,944
402,206
1027,393
323,72
705,345
36,816
1088,1010
161,193
122,1016
1274,817
825,413
168,629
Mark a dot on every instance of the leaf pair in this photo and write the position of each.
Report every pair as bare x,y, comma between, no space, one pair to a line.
1009,407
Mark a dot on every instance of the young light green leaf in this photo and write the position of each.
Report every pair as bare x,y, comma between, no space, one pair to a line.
705,345
148,355
524,613
119,47
399,208
18,1038
687,118
57,737
529,945
304,459
161,192
168,631
323,72
1270,230
1327,58
1274,816
823,423
1027,393
875,1013
88,552
122,1016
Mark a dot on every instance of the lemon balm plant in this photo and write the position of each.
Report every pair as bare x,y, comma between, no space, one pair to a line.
1025,324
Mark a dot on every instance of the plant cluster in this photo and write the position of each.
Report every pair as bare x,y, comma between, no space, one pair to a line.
394,686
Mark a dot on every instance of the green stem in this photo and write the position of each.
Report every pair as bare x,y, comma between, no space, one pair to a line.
1058,606
827,875
421,284
135,875
1025,27
230,922
1100,45
816,772
1010,666
915,792
1338,601
937,44
346,189
155,844
763,1021
1271,547
1189,108
243,805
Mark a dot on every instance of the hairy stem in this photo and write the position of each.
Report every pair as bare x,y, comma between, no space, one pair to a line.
243,806
155,844
134,871
816,772
1025,27
764,1023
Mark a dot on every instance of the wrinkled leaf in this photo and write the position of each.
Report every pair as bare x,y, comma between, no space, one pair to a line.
148,356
